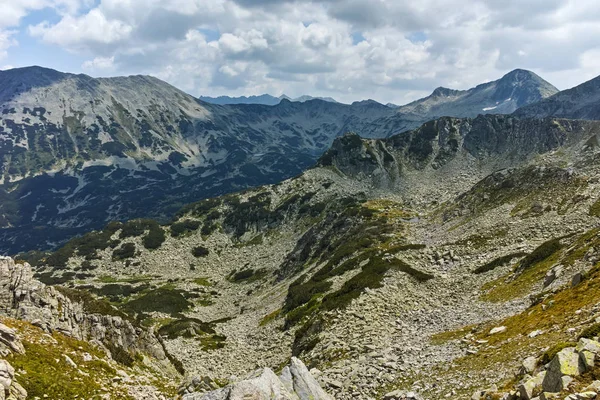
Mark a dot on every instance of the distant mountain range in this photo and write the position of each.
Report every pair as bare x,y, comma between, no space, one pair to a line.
515,89
265,99
78,152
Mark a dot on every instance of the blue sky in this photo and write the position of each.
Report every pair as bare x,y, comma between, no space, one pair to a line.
348,49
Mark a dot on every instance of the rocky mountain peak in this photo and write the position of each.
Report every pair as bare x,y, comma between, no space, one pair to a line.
444,92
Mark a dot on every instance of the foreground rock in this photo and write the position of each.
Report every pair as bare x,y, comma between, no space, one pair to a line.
556,377
294,383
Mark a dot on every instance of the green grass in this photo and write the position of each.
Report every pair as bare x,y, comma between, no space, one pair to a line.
267,319
46,374
202,282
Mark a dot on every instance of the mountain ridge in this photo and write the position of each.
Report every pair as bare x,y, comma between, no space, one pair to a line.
78,152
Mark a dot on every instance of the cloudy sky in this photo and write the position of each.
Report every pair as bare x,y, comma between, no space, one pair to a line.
387,50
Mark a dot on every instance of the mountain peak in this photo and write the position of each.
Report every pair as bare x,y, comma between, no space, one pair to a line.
443,92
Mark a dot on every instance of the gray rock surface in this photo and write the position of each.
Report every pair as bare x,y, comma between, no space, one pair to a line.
294,383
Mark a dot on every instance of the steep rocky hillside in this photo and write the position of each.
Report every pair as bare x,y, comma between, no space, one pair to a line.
516,89
78,152
425,265
580,102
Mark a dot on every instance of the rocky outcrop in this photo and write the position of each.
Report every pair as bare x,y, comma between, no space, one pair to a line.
10,389
23,297
555,377
294,383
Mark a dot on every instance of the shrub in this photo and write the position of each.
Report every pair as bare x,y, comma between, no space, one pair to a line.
497,262
126,251
91,304
242,275
590,332
541,253
184,227
154,239
186,327
165,299
200,251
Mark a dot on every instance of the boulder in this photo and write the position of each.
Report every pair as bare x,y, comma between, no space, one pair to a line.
295,383
528,366
532,387
586,360
7,374
498,329
9,338
588,345
564,364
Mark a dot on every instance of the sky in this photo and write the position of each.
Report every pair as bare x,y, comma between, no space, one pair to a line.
388,50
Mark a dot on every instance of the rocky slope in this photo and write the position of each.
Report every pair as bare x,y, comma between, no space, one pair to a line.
78,152
425,265
580,102
75,345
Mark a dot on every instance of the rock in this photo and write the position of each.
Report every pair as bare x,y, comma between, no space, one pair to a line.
576,279
23,297
528,365
402,395
552,275
7,373
584,396
594,386
588,345
586,359
69,361
549,396
295,383
9,338
532,387
564,364
498,329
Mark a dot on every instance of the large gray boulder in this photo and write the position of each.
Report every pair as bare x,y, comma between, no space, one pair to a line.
294,383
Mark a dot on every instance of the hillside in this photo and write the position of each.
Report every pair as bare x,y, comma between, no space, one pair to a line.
385,267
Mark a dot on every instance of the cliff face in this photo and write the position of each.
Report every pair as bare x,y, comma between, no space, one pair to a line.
24,298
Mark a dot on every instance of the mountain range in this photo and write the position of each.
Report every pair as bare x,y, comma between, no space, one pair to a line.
79,152
265,99
422,256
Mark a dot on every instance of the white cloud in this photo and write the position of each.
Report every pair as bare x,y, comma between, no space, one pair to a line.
99,63
79,32
303,46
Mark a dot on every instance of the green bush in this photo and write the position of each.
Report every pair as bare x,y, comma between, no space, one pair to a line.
91,304
200,251
186,327
124,252
154,239
165,299
497,262
541,253
184,227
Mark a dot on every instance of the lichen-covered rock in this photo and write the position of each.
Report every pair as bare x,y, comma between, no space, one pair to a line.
532,387
563,366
